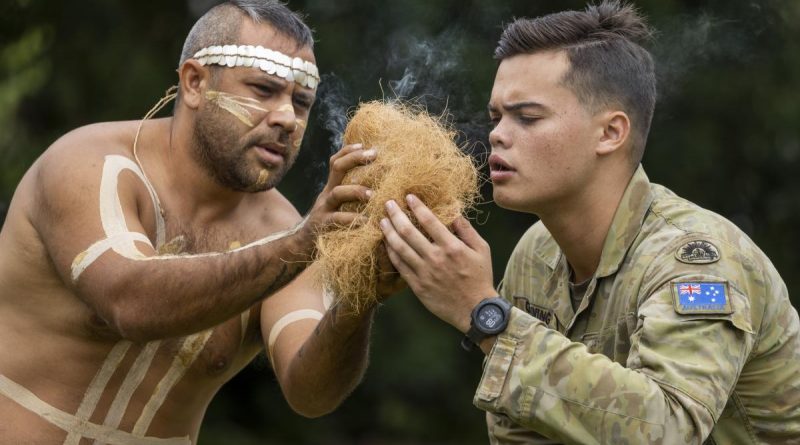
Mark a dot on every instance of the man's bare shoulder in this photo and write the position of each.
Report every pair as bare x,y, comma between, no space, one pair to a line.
70,165
85,147
95,140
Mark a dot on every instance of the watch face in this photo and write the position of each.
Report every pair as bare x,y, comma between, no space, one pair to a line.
490,317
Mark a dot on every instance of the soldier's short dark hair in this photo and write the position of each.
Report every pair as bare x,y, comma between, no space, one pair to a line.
608,65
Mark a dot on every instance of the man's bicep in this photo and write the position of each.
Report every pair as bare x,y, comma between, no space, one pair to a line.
88,220
289,317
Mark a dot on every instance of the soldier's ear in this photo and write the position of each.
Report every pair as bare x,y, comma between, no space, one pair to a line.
195,79
615,129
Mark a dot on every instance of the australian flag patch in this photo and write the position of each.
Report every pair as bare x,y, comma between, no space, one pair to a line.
697,297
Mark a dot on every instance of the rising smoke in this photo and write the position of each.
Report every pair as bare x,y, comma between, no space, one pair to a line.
334,102
435,72
430,73
689,42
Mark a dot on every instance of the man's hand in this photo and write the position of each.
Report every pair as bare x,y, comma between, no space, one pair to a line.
325,211
451,272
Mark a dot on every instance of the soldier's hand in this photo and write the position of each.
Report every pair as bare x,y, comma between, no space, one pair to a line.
450,272
389,279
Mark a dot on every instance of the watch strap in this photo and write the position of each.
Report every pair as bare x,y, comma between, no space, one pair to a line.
472,338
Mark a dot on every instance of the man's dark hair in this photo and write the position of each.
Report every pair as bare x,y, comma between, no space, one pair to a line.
608,65
221,24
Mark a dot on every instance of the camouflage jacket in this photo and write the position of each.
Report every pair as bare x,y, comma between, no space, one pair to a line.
686,335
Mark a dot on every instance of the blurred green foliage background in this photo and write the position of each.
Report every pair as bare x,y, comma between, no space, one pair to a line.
726,135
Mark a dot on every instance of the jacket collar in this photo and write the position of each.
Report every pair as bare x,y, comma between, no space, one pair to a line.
627,223
625,227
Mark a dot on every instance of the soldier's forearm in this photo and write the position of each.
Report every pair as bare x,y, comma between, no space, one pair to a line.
545,382
504,431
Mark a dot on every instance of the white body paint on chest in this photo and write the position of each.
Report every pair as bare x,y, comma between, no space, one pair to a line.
121,241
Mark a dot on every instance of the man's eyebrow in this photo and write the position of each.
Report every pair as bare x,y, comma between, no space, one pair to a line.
272,80
516,106
280,84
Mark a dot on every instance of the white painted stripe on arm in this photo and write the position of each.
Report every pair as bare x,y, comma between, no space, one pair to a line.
122,241
286,320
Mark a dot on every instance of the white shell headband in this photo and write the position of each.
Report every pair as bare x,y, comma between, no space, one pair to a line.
297,70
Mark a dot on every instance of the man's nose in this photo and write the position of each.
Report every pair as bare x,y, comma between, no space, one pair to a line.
498,137
283,116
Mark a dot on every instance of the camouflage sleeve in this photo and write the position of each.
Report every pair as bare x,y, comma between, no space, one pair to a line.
503,430
675,385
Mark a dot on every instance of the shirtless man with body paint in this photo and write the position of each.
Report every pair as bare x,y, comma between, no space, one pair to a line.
136,256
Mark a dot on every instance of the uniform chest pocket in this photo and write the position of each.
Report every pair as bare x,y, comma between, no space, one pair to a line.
612,341
601,342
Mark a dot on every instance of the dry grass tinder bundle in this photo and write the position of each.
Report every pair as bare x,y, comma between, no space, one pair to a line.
416,154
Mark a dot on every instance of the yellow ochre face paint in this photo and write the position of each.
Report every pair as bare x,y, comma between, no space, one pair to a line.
263,177
286,108
301,126
120,240
239,106
242,108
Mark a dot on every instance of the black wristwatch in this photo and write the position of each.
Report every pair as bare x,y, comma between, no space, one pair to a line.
489,317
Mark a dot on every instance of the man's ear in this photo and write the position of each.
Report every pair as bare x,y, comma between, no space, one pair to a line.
616,130
194,80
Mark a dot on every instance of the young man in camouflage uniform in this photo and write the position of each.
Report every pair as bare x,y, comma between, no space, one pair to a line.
638,317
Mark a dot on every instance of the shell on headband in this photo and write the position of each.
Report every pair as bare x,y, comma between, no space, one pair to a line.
272,62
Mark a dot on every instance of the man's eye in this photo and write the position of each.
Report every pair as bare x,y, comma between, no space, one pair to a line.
262,89
527,120
302,103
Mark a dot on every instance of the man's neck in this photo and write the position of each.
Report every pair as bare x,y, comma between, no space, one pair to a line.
580,226
187,189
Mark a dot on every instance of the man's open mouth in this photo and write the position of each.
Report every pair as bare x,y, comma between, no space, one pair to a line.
496,163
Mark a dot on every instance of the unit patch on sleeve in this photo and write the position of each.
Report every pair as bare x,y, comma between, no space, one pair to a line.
701,297
697,252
